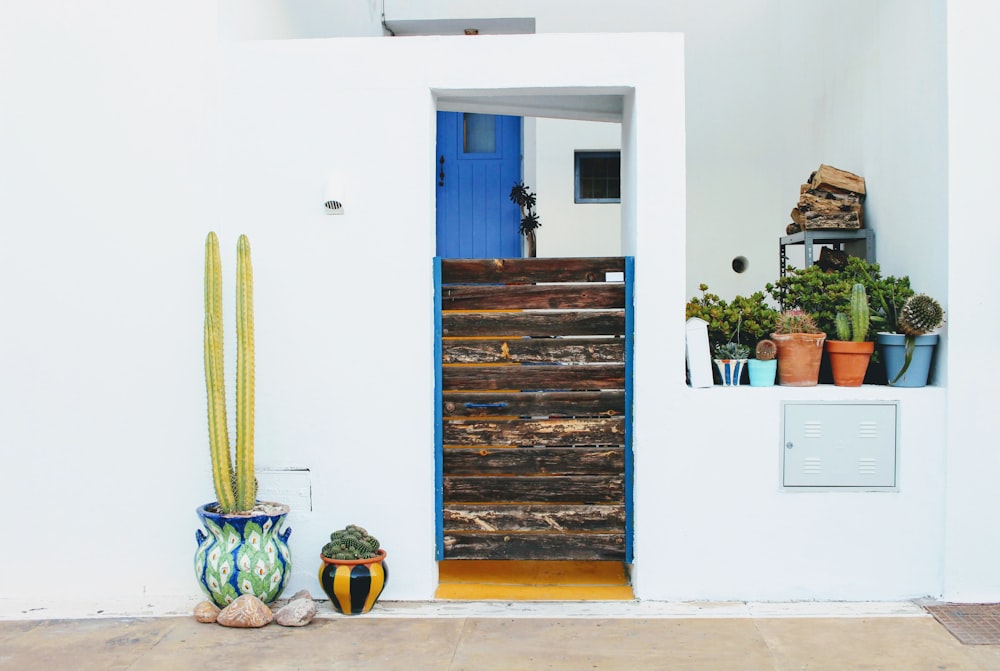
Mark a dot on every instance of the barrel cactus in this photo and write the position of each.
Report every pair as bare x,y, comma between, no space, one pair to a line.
920,314
235,487
795,321
766,350
350,543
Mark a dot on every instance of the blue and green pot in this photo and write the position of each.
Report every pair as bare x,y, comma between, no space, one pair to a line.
243,554
354,585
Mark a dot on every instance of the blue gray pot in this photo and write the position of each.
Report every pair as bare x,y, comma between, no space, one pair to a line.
893,349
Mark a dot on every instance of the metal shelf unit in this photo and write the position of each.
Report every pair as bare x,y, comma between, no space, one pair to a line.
856,243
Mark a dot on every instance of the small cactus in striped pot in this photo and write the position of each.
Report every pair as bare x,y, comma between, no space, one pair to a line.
235,484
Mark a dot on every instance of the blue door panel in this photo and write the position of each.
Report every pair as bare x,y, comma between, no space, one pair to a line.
475,218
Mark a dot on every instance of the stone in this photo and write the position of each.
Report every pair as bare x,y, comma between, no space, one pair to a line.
206,611
301,594
297,613
246,611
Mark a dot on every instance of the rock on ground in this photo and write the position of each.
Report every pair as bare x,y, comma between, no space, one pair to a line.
246,611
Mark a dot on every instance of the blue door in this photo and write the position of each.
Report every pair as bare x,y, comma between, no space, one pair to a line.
479,160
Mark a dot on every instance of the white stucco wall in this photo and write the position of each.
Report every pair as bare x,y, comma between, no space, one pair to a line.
973,457
120,149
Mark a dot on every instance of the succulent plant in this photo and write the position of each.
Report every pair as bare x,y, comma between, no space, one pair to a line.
235,488
920,314
745,318
766,350
795,321
855,325
732,350
351,542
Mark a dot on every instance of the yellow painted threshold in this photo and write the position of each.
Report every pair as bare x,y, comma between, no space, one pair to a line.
487,580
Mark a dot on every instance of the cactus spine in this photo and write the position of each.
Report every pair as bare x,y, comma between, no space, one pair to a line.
236,491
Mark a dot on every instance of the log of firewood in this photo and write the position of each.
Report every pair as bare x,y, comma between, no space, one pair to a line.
809,219
831,259
828,178
824,203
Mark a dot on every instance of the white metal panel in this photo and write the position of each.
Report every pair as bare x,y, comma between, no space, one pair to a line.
839,445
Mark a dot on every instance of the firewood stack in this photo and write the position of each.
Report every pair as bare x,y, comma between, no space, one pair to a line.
831,200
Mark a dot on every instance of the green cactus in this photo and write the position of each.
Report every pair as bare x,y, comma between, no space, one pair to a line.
860,313
350,543
842,323
236,490
766,349
795,321
920,314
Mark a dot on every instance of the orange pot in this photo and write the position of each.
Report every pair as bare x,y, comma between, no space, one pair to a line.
799,355
849,361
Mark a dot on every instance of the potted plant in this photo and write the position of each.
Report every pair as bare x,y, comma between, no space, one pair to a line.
244,551
525,199
800,348
764,367
745,319
851,351
353,573
909,352
730,359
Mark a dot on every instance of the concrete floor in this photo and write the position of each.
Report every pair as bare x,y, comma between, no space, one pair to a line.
385,642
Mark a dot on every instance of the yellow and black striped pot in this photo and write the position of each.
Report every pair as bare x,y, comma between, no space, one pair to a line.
353,585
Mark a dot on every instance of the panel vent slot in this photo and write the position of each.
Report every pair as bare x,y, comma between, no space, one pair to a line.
868,430
812,465
813,429
867,466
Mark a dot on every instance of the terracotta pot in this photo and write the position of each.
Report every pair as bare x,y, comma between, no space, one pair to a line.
353,585
799,355
849,361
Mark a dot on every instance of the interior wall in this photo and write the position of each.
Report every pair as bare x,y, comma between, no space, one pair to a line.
570,228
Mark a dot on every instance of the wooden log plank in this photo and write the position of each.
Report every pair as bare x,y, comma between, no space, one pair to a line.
534,350
534,378
608,460
536,296
577,547
532,432
512,517
533,404
541,489
813,220
828,178
507,324
465,271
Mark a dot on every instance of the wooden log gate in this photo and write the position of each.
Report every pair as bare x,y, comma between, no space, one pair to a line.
534,408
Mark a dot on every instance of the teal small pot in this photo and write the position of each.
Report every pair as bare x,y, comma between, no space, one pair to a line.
893,349
762,373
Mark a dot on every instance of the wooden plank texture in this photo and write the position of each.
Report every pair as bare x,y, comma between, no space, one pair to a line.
534,350
533,404
580,547
534,378
531,432
513,517
543,324
534,460
466,271
533,296
541,489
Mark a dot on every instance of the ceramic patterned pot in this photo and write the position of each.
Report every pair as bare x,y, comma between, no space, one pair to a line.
354,585
243,554
730,371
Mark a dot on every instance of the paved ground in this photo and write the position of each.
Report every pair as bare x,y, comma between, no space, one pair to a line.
386,643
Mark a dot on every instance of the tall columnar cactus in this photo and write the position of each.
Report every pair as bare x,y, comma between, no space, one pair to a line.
235,489
860,313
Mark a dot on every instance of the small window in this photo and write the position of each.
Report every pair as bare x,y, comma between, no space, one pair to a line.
479,133
598,177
